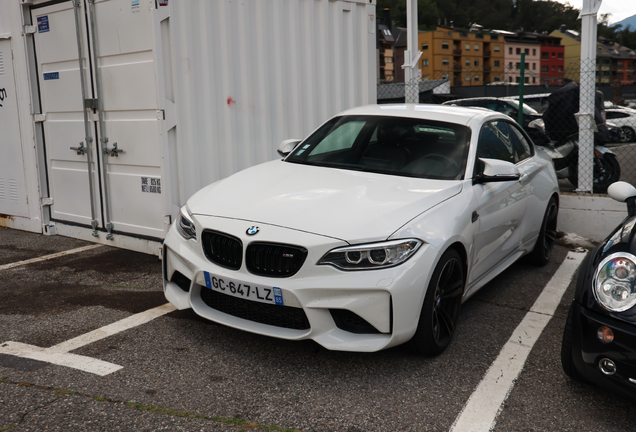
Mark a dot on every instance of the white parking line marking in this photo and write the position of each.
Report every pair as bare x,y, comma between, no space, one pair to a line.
83,363
485,404
59,354
114,328
48,257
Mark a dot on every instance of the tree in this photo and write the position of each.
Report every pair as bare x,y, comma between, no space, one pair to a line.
511,15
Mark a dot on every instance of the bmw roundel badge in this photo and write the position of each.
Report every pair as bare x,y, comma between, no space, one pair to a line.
252,231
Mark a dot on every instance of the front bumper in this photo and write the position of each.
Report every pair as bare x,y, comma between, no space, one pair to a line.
390,300
588,350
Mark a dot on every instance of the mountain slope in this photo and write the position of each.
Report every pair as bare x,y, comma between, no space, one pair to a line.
627,22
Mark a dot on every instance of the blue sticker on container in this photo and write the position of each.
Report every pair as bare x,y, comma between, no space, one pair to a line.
43,24
278,296
208,281
51,76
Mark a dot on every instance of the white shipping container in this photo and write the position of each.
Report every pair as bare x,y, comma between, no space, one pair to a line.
166,97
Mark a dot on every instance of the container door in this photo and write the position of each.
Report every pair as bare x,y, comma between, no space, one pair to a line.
62,104
12,186
122,42
124,120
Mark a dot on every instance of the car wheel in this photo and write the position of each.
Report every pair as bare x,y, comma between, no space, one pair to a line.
629,134
440,310
607,170
567,361
542,251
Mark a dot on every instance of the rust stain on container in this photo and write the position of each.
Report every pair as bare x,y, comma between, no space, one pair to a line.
5,219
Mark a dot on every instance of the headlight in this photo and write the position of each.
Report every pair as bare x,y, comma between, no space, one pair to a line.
615,282
371,256
185,225
537,124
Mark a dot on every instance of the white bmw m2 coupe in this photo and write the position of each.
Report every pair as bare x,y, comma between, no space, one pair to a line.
369,233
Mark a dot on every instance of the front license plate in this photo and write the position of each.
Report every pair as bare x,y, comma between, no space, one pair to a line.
263,294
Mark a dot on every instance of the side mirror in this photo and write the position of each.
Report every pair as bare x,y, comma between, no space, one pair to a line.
624,192
496,170
287,146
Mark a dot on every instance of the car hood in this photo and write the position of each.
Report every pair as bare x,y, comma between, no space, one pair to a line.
346,205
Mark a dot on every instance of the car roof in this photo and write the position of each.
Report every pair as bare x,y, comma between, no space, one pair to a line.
619,108
444,113
535,95
475,99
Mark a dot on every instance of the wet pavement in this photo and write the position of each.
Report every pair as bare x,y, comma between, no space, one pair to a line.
180,372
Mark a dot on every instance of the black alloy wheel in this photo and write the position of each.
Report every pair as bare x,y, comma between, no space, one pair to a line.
440,310
628,134
542,251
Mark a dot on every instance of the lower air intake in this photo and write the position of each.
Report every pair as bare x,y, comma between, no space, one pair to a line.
263,313
351,322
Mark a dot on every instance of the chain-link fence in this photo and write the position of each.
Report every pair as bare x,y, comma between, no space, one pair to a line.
602,152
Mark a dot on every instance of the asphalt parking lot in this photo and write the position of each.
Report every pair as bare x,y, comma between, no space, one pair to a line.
179,372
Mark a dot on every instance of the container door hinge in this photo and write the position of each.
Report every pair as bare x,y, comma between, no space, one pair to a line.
29,29
161,114
38,118
90,103
46,201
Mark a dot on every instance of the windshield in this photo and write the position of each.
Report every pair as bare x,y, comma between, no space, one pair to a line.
390,145
526,109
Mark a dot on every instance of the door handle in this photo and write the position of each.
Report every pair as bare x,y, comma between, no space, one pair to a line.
113,152
81,150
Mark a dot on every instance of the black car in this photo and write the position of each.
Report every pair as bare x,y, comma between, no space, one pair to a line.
532,120
599,340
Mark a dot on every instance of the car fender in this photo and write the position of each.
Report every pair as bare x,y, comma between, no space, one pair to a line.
448,223
622,239
603,150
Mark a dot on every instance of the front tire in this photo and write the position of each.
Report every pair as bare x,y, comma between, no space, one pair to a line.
542,251
567,359
440,310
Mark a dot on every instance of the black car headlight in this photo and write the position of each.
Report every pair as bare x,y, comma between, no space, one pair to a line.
185,225
615,282
371,256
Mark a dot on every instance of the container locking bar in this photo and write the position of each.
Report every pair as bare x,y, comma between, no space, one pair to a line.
113,152
81,150
87,129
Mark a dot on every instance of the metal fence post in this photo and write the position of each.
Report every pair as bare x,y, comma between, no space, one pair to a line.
587,94
522,78
411,56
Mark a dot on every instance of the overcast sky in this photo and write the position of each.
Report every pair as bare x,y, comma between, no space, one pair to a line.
620,9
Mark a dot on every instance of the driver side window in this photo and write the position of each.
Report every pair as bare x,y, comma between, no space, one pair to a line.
495,143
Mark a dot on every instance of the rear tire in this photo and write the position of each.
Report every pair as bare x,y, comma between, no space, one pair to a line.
440,310
567,359
607,170
542,251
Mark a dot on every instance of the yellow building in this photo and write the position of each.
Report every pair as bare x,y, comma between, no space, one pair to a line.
465,57
571,53
571,40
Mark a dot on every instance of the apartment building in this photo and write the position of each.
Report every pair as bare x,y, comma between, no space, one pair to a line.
613,61
552,59
517,44
465,57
